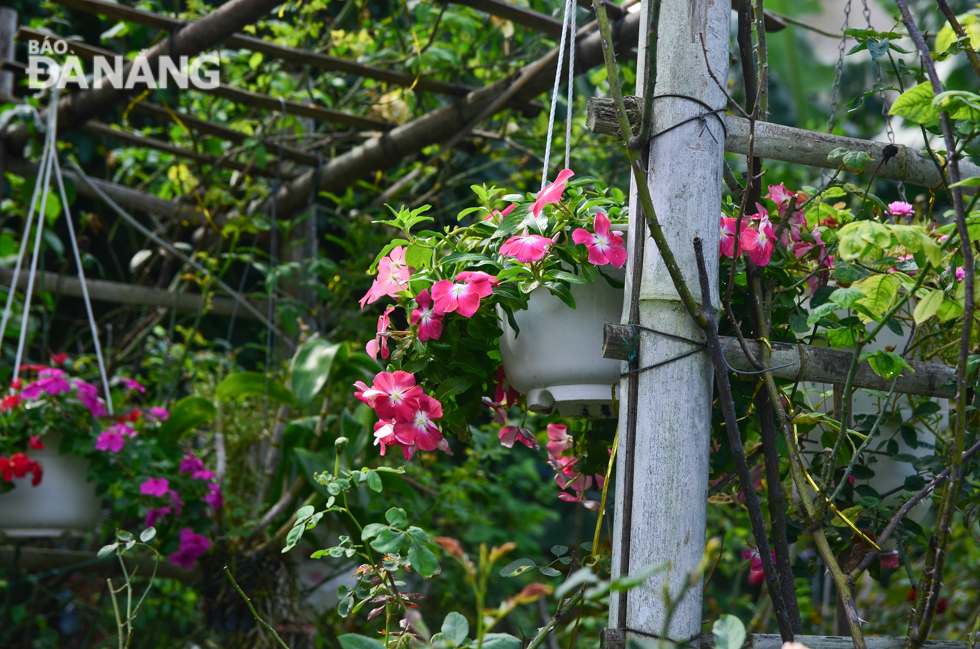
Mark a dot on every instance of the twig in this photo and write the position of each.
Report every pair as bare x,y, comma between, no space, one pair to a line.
960,34
546,630
252,609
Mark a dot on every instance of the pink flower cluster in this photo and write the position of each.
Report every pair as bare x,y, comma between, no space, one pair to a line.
406,414
160,488
192,546
566,475
527,248
393,276
504,397
604,247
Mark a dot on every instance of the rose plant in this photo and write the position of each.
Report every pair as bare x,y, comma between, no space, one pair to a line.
451,289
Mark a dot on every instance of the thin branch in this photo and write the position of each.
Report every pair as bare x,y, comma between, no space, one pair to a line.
961,35
252,609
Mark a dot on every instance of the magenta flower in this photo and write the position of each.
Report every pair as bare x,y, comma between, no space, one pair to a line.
214,498
365,393
192,546
604,247
464,298
393,276
510,434
960,274
504,392
203,474
50,380
398,393
158,413
157,515
781,196
727,241
497,216
88,394
190,463
110,440
155,487
175,501
380,341
132,384
901,208
552,193
561,441
384,435
759,243
756,573
526,248
429,322
420,427
482,283
123,429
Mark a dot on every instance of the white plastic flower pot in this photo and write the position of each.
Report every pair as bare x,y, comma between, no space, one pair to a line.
64,502
556,357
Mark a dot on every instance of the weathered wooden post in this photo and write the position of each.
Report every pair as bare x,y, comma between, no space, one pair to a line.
661,501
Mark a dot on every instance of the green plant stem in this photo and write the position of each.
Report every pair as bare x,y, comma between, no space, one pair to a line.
252,609
115,608
546,630
762,54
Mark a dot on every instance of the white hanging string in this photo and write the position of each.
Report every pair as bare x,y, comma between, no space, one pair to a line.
45,179
569,12
81,279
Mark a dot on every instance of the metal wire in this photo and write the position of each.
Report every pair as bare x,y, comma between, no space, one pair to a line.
889,131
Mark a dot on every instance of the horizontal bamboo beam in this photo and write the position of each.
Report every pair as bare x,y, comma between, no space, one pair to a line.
516,14
819,364
257,100
616,639
287,54
40,560
102,290
130,199
795,145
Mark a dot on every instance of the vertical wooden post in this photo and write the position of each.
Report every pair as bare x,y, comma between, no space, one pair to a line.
663,516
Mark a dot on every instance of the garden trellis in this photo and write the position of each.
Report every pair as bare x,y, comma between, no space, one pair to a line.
682,185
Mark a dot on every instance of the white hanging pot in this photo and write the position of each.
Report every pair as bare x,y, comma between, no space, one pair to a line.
556,358
64,502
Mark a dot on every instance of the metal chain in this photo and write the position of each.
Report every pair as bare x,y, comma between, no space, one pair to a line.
889,131
831,121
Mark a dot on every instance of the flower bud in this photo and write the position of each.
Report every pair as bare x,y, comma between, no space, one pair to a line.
340,444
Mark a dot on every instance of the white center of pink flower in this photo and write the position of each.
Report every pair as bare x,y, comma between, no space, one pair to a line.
422,420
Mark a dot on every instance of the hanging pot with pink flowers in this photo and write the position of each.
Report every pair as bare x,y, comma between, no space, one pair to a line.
504,311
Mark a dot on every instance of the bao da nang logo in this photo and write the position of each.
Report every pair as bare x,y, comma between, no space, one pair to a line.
44,72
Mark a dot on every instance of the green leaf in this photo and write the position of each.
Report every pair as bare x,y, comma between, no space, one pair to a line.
559,550
846,297
549,571
969,182
568,277
147,535
374,481
388,541
186,415
927,306
880,291
418,256
518,567
500,641
396,516
452,386
949,310
423,560
304,512
822,310
246,384
729,632
354,641
295,534
840,337
107,550
946,36
915,104
856,161
371,530
455,628
311,368
888,365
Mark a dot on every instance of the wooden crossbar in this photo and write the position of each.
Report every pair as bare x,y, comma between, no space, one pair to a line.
287,54
37,560
616,639
249,98
802,362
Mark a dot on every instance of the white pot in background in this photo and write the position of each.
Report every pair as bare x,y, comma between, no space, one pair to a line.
556,358
64,502
890,474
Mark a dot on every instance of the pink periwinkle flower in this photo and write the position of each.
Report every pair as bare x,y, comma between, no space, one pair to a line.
214,498
380,341
156,515
504,392
759,241
429,322
420,427
605,247
50,380
901,208
393,276
384,434
497,216
397,394
756,574
88,395
482,283
110,440
526,248
561,441
123,429
192,546
175,501
461,297
960,274
552,193
155,487
510,434
727,241
203,474
190,463
158,413
132,384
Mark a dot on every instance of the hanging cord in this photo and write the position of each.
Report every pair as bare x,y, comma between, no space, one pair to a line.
554,94
146,232
571,10
45,183
81,279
